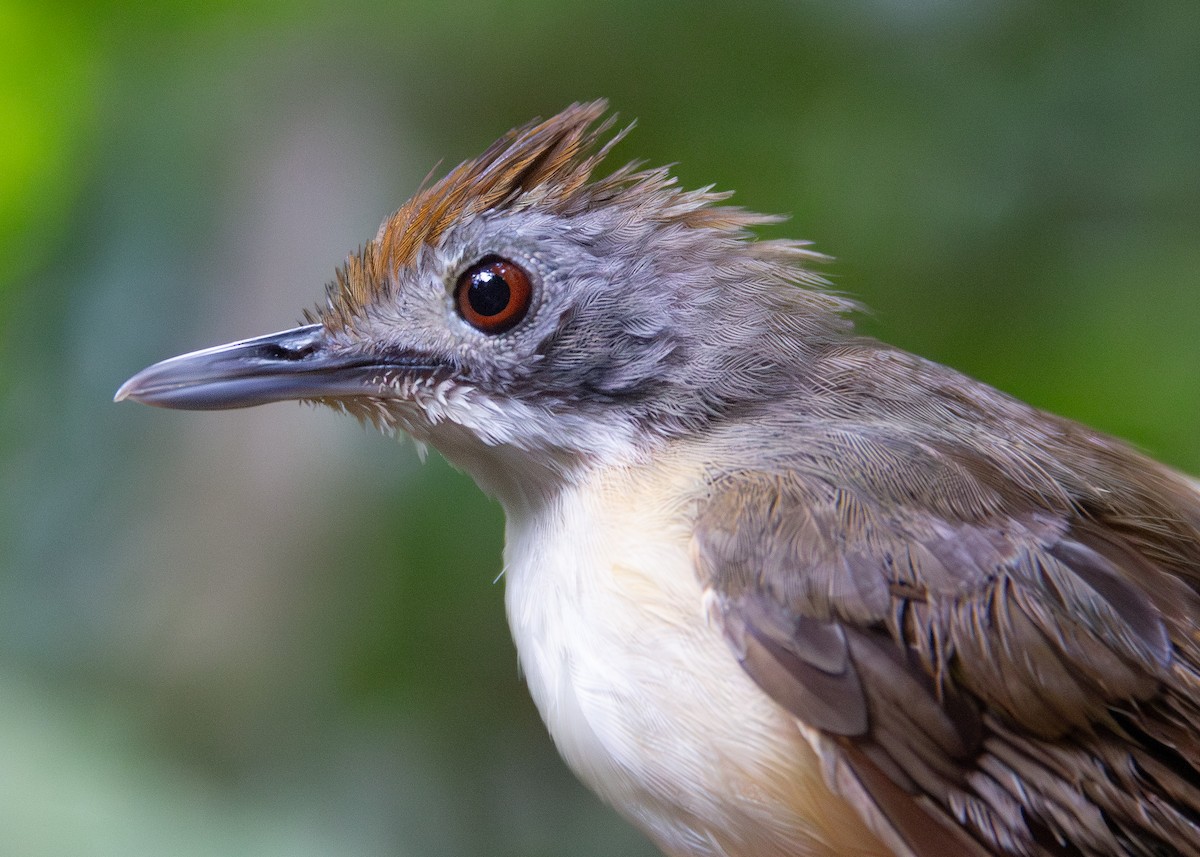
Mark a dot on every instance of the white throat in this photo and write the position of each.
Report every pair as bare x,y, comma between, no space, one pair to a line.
642,696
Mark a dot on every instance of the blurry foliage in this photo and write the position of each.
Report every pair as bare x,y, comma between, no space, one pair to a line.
266,632
47,96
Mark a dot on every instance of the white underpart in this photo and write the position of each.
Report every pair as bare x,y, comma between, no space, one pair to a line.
642,695
640,691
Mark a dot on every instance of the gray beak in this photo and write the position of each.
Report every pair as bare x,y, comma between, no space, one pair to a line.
294,364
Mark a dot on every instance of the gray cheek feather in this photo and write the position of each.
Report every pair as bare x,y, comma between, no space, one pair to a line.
633,318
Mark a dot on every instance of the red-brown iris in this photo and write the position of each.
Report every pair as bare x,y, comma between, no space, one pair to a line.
493,295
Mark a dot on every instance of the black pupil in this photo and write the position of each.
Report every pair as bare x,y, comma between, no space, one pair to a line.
489,293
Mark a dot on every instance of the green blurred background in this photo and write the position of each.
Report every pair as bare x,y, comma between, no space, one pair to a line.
272,633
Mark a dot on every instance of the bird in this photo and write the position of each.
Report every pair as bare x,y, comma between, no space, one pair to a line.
777,589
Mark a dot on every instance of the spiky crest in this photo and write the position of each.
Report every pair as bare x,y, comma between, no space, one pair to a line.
547,164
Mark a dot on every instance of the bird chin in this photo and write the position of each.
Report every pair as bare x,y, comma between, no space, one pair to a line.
510,449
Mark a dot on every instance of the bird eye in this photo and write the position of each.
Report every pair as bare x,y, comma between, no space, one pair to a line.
493,295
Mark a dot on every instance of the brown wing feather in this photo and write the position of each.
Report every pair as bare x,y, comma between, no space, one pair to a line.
1023,677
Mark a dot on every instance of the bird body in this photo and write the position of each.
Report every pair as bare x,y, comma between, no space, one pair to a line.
637,686
778,590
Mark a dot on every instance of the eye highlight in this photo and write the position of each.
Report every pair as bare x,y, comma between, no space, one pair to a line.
493,295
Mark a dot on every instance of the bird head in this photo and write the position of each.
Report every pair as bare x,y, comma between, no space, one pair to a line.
527,318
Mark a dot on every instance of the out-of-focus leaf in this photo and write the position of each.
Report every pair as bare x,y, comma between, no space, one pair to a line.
48,71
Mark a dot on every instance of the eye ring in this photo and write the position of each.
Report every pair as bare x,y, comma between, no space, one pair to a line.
493,295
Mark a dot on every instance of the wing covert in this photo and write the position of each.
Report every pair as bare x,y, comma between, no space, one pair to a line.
1012,677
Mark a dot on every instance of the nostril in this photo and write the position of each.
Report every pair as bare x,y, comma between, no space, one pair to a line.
287,352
